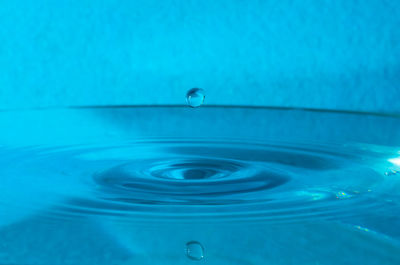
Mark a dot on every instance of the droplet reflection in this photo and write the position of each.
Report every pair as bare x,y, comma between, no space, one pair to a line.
194,250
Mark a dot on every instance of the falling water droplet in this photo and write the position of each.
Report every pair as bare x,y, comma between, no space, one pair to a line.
195,97
194,250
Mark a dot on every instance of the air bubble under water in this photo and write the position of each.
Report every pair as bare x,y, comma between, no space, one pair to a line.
194,250
195,97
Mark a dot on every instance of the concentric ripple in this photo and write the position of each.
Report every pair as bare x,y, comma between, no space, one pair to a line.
200,179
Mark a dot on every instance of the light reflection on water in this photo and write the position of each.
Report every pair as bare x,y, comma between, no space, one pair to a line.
245,201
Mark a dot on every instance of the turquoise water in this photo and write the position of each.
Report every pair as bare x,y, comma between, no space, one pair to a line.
209,185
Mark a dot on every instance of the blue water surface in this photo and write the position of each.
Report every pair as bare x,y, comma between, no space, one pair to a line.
211,185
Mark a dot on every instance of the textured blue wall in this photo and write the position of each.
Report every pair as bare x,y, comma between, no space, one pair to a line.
342,54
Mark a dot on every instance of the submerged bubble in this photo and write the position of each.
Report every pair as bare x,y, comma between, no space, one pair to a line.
195,97
194,250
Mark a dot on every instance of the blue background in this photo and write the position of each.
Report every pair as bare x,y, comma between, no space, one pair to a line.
340,54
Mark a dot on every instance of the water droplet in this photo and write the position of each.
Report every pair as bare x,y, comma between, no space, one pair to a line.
194,250
195,97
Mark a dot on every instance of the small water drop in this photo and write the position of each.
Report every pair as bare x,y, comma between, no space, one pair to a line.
195,97
194,250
